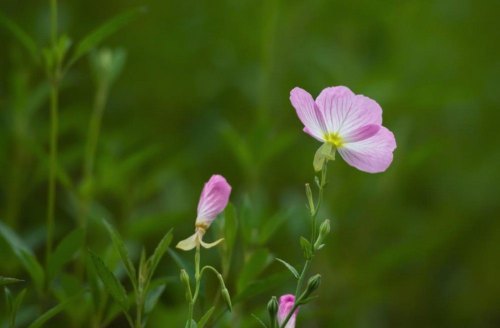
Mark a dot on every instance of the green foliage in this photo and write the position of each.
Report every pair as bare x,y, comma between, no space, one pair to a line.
24,255
205,90
108,28
112,284
65,251
289,267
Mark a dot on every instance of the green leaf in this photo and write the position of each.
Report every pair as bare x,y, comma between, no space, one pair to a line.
7,280
191,324
259,286
21,36
159,252
65,251
112,284
289,267
180,262
152,298
306,247
41,320
253,266
203,321
15,307
259,320
105,30
270,227
120,248
230,226
25,256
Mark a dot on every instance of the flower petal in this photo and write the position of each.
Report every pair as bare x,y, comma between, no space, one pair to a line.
213,199
285,306
332,104
370,155
308,113
343,111
210,245
361,133
188,243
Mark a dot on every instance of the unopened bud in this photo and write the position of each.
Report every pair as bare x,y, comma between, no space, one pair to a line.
184,277
272,309
310,199
312,285
324,230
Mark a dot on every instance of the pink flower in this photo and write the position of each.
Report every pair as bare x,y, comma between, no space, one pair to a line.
348,123
213,200
285,306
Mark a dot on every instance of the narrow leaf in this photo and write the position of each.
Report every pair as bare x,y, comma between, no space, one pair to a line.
289,267
16,305
152,298
25,255
159,252
259,320
203,321
41,320
253,266
20,35
7,280
104,31
65,251
271,226
230,226
112,284
120,248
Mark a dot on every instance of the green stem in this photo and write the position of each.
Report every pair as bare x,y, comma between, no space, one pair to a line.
53,21
54,127
197,278
307,264
54,122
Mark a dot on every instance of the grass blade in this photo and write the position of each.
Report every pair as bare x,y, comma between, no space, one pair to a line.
23,37
112,284
102,32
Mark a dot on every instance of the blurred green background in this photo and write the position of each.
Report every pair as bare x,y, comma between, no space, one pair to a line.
205,90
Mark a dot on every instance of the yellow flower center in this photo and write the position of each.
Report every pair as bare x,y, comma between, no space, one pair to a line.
334,139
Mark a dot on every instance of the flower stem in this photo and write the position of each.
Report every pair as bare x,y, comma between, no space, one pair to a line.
307,264
197,278
54,127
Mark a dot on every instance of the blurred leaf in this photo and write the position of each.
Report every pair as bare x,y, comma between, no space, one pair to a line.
120,248
270,227
306,247
159,252
7,280
259,286
203,321
253,266
259,320
23,37
289,267
16,305
8,302
65,251
112,284
102,32
239,146
152,298
177,259
230,226
25,255
191,324
41,320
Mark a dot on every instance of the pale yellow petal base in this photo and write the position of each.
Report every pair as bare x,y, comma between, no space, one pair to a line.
196,240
